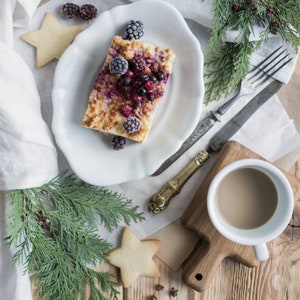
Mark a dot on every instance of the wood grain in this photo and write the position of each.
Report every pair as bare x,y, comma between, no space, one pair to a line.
202,265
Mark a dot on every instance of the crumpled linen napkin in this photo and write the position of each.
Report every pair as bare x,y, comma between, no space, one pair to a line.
28,155
15,13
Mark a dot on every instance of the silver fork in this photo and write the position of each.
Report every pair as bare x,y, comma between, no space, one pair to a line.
256,77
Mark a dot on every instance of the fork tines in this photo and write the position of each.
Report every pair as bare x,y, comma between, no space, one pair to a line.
269,66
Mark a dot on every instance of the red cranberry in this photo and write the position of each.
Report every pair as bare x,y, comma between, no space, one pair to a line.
137,98
126,110
129,73
149,85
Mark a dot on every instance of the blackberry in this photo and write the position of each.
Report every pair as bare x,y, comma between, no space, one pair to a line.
137,64
118,142
70,10
118,65
88,12
134,30
132,125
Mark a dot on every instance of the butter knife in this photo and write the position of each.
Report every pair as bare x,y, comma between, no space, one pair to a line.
202,127
161,199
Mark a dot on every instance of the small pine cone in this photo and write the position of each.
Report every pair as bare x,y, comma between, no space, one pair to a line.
88,12
236,6
274,26
270,10
274,30
70,10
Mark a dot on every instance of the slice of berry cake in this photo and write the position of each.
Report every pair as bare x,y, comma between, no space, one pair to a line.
128,88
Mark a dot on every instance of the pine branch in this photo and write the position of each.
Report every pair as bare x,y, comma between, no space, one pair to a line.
54,229
228,63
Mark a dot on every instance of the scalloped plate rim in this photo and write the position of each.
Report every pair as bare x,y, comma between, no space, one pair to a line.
92,169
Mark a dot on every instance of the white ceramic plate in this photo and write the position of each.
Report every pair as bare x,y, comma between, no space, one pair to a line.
90,153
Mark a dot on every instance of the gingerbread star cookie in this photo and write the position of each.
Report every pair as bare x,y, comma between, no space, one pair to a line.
51,39
134,257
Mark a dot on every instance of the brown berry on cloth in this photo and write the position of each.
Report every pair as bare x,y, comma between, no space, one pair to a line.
85,12
88,12
70,10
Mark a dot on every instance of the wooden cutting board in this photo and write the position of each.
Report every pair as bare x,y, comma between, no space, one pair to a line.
201,265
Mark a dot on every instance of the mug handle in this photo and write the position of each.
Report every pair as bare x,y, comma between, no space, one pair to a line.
261,252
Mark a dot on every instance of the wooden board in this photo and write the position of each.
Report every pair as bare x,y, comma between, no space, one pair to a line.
200,267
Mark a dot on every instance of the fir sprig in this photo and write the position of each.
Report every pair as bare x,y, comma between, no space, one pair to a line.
54,229
228,63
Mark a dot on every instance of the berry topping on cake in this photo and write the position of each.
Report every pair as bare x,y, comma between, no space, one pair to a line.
70,10
118,142
150,96
128,88
126,110
126,80
137,99
88,12
134,30
160,76
149,86
129,73
132,125
118,65
137,64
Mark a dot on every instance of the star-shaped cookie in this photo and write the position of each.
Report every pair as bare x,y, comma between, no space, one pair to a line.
51,39
134,257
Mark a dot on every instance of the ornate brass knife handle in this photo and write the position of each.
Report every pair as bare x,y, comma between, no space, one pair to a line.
160,200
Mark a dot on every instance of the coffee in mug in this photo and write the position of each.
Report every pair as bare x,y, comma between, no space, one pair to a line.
247,198
250,202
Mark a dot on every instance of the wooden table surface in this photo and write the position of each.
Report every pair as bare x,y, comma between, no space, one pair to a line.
278,278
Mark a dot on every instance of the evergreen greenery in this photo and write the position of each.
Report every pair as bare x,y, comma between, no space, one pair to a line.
54,229
228,63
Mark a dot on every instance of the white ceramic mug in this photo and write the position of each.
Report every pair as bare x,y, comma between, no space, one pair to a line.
258,236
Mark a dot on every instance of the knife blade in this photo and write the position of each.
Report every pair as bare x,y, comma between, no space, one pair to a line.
202,127
161,199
